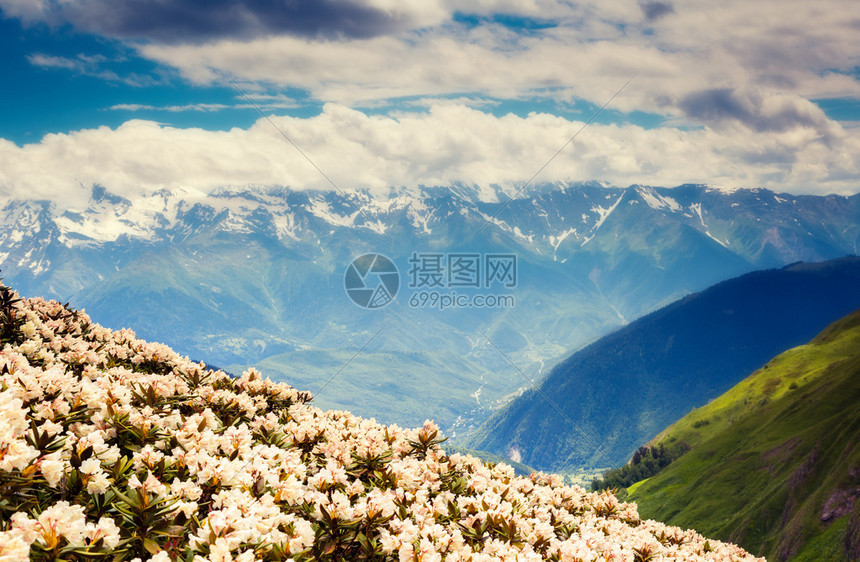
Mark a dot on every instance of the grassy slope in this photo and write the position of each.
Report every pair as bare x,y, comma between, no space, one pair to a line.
767,457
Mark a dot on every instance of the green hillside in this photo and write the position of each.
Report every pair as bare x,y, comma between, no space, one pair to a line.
774,463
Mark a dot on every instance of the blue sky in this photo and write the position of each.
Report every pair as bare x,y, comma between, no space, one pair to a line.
428,92
67,80
45,99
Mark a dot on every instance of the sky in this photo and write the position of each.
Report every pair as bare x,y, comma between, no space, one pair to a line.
141,95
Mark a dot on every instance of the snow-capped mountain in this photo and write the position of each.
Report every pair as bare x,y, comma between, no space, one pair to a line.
255,276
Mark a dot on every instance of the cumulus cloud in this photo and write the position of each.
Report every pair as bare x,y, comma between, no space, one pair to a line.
444,145
733,82
197,20
759,112
733,53
704,46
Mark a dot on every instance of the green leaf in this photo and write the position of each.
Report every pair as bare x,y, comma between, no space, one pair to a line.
124,498
151,546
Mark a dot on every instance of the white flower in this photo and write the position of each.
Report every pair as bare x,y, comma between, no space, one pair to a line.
61,520
220,551
282,459
90,466
13,547
134,481
98,483
52,467
28,329
50,428
24,527
13,417
16,455
106,530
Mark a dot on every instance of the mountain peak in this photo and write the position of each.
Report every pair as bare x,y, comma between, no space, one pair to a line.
101,194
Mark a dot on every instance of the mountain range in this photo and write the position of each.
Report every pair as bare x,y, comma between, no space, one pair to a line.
253,276
597,406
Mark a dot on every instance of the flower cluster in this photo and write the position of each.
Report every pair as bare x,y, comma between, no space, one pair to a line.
112,446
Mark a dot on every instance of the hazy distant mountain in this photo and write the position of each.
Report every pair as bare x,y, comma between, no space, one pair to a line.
255,276
628,386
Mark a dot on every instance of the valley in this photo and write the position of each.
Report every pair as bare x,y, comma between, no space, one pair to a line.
254,277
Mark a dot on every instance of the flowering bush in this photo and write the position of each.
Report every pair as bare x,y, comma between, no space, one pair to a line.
113,448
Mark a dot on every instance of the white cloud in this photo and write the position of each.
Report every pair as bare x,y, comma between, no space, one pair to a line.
260,101
84,64
90,65
793,49
173,21
171,108
49,61
443,145
28,10
734,78
467,61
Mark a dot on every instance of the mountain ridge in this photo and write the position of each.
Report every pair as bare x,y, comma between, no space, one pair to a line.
626,387
253,276
150,216
780,451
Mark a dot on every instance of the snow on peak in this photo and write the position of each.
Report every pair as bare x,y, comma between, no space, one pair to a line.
556,241
603,214
723,187
697,209
657,201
